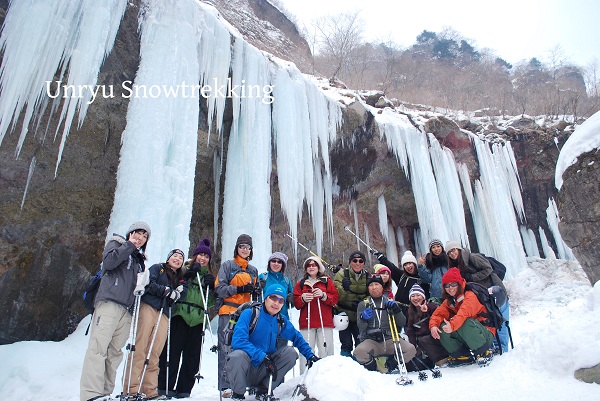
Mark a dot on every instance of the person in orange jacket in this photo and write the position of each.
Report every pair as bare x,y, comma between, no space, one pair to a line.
457,323
236,284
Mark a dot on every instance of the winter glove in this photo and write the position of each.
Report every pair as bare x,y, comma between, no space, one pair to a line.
392,307
166,292
176,293
367,314
290,299
312,360
334,268
271,368
256,291
209,281
262,282
379,255
346,283
246,288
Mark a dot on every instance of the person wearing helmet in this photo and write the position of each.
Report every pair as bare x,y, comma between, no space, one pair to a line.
315,295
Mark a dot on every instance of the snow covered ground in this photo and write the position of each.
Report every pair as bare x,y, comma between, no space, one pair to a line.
555,320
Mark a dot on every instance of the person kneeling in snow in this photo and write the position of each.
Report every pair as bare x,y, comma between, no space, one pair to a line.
456,323
255,358
374,328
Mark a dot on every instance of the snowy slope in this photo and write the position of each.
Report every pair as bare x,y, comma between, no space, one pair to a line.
555,315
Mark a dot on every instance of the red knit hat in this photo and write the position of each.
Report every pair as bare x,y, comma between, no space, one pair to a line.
452,276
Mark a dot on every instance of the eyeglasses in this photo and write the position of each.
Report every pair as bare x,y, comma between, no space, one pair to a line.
277,299
279,262
358,261
450,285
309,264
245,247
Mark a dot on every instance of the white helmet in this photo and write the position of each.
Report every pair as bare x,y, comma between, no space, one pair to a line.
340,321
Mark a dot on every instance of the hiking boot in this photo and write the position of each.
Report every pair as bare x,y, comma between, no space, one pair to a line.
485,358
107,397
236,396
266,397
442,362
227,393
182,395
455,361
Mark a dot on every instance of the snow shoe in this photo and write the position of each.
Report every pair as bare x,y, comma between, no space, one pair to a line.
404,381
422,376
485,359
454,362
436,373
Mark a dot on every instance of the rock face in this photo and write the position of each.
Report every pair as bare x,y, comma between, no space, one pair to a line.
51,246
579,210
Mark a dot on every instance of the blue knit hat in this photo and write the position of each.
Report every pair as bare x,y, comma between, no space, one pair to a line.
275,289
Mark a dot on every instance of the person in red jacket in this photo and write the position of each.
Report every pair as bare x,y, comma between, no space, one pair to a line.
315,296
456,323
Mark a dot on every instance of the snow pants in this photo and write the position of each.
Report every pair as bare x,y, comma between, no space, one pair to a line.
110,327
186,345
432,347
223,351
143,339
317,342
472,335
369,349
243,374
503,333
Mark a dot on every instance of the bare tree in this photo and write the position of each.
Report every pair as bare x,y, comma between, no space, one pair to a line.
340,35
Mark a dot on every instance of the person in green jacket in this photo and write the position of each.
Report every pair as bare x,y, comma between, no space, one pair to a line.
351,284
187,325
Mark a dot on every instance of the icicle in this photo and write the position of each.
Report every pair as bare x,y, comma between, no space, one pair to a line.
564,252
548,251
529,242
383,221
29,175
391,252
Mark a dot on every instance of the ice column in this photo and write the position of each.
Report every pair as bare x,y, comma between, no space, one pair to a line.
564,252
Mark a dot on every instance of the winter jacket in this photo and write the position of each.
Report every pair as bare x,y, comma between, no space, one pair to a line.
418,322
270,278
404,281
456,311
121,262
262,341
348,300
377,328
159,281
433,277
231,275
191,307
326,285
479,270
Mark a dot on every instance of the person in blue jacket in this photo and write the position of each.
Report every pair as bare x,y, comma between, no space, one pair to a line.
275,275
255,357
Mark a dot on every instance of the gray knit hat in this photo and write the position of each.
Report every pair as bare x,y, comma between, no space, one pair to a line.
450,245
139,225
278,255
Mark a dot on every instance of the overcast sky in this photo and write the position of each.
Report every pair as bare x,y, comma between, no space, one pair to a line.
514,29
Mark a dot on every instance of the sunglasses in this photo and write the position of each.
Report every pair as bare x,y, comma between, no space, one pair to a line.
245,247
276,299
450,285
279,262
311,264
358,261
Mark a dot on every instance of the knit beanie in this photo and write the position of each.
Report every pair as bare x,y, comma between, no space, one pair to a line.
375,279
174,251
355,255
243,239
203,247
435,242
278,255
317,260
452,276
379,268
275,289
416,289
139,225
450,245
408,257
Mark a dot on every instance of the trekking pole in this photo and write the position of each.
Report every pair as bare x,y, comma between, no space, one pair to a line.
270,392
168,350
199,376
299,385
403,379
151,346
322,327
131,345
372,250
312,253
205,300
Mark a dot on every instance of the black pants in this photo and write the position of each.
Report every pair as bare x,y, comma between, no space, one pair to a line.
186,341
347,336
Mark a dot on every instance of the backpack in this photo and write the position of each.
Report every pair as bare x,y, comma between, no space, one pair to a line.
497,266
493,317
89,295
235,316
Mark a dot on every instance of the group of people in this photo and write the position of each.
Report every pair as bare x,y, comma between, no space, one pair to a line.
172,300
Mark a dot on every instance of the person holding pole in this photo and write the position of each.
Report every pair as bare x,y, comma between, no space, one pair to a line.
315,295
189,321
165,288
